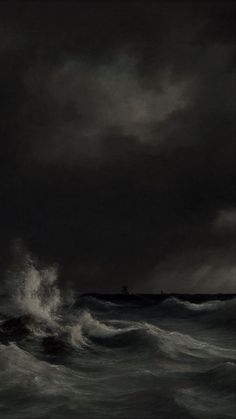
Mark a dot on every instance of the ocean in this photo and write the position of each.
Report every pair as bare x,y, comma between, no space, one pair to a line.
113,356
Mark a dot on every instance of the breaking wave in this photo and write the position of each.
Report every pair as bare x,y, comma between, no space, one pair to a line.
32,291
144,337
95,304
131,337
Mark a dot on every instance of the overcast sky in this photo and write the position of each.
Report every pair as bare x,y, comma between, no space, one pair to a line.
117,157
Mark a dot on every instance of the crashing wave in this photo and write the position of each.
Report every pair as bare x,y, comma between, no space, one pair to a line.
31,290
144,337
95,304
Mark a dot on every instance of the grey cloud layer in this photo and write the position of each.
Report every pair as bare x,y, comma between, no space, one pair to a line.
84,103
117,142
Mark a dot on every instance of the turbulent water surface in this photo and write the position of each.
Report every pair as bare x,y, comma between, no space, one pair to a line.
120,358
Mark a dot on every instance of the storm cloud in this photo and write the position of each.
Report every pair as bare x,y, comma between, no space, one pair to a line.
117,142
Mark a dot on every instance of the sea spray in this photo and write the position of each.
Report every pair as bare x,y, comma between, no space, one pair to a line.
32,290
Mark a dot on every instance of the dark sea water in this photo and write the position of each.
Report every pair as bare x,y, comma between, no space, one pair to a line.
95,358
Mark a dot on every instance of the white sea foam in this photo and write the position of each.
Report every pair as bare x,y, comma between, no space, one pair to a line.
144,337
31,290
94,328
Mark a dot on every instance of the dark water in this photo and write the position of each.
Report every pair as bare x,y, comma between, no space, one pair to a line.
131,358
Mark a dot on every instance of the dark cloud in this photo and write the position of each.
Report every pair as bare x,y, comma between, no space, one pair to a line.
117,141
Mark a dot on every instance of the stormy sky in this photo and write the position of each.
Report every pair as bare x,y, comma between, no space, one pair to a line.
117,154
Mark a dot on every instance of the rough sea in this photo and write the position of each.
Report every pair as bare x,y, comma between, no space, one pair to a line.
131,357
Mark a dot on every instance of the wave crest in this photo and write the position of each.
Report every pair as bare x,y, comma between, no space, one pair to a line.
213,313
32,291
145,337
